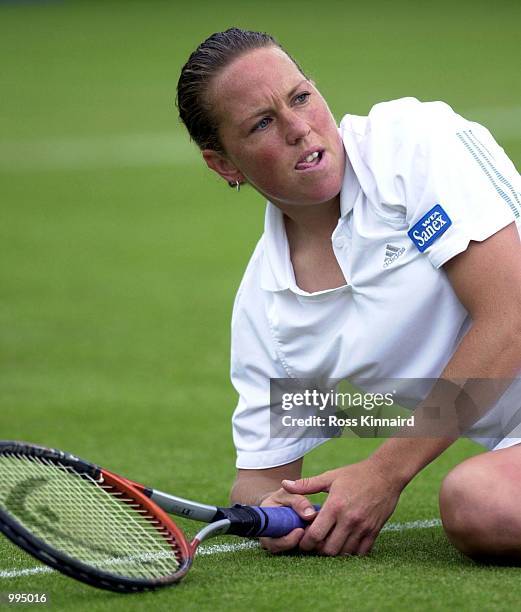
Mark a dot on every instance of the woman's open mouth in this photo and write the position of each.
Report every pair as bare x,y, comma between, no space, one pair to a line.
310,160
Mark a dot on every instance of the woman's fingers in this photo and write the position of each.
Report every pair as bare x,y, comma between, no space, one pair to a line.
287,542
366,545
302,506
306,486
316,533
341,541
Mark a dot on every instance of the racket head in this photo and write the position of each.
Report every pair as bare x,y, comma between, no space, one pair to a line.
86,522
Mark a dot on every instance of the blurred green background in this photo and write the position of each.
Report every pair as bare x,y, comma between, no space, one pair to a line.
121,253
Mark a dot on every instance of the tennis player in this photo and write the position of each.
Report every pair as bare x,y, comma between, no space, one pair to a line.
391,249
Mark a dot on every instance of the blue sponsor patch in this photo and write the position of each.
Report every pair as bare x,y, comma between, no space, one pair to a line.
429,228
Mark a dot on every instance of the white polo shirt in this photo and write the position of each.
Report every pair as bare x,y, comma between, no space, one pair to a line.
421,182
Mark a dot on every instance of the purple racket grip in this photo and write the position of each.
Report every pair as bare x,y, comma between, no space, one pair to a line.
279,521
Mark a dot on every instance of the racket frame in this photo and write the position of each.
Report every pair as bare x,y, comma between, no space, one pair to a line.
75,568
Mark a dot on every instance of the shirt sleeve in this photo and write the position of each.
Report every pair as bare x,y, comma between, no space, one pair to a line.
254,361
454,180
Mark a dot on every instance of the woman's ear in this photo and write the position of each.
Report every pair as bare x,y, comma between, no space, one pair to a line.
222,165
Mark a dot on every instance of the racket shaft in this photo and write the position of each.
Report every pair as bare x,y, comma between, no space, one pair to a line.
182,507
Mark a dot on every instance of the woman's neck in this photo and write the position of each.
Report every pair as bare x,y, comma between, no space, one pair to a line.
313,223
309,230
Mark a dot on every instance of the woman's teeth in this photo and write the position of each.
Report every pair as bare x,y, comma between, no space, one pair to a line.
311,157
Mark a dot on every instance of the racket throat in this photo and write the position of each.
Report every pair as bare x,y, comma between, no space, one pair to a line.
217,528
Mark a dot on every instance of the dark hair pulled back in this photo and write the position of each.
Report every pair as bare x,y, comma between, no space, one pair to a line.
210,57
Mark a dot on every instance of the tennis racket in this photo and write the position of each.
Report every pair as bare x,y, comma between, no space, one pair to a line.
106,530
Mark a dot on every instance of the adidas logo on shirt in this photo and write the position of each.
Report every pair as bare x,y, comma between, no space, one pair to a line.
392,253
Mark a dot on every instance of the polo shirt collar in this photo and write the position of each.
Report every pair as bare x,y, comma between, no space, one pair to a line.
277,271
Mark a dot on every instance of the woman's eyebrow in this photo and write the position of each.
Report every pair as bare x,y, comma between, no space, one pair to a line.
264,111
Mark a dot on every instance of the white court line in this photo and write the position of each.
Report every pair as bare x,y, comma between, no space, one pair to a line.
30,571
214,549
412,525
170,148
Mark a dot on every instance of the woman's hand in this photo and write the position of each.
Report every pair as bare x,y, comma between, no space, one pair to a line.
302,506
361,499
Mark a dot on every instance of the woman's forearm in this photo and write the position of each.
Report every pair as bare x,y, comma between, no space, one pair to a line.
488,351
252,486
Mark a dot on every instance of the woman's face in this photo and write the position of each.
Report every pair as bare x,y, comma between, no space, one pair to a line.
277,131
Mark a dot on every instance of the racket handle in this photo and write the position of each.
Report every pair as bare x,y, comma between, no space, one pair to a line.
278,521
257,522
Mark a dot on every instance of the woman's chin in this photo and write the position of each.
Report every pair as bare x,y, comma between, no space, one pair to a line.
322,193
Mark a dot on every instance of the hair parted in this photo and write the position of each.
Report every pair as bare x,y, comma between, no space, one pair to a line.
210,57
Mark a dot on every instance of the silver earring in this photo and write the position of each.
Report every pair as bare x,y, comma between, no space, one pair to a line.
235,184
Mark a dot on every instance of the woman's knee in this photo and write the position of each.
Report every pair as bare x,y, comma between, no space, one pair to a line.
459,506
478,507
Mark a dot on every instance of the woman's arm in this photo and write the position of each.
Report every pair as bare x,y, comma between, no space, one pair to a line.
252,486
487,280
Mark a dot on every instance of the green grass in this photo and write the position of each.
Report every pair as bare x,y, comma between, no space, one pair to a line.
118,278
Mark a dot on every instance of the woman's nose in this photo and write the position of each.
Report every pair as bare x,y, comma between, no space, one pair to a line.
297,128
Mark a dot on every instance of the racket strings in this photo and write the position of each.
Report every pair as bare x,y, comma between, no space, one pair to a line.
69,498
89,520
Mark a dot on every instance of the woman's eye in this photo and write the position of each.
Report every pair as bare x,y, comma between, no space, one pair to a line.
263,124
302,98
